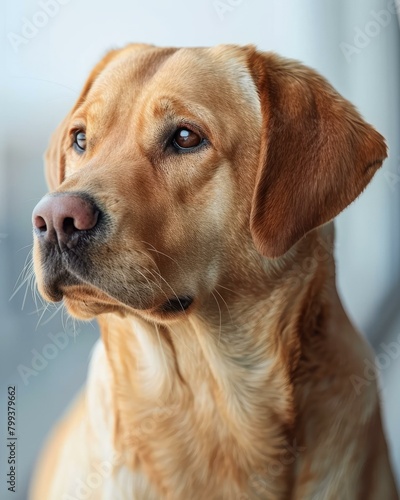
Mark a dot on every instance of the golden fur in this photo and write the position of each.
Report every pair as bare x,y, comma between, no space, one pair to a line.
249,393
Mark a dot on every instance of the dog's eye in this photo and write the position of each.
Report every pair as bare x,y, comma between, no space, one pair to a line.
79,141
185,139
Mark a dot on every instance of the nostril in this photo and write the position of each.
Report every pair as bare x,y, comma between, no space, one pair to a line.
40,223
69,227
63,219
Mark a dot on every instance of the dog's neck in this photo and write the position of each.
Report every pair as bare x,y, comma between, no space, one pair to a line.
220,366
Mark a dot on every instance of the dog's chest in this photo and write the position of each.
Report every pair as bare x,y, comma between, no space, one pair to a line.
196,430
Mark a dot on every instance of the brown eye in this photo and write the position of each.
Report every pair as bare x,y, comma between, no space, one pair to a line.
186,139
80,141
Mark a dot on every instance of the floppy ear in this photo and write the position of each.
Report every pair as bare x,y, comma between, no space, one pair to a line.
317,154
55,153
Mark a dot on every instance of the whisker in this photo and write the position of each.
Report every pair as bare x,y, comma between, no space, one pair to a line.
41,316
226,305
170,287
35,293
127,288
70,320
57,310
148,281
19,287
23,275
23,248
154,249
33,290
64,320
158,272
37,311
163,355
230,290
28,285
220,318
155,283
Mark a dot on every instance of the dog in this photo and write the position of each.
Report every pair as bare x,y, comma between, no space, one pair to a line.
192,193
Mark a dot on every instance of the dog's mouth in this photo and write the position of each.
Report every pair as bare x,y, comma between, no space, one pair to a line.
62,282
91,275
176,305
85,301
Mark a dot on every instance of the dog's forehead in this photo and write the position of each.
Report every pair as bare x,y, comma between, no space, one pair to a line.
219,73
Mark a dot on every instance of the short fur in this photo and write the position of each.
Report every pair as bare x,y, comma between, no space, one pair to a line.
254,392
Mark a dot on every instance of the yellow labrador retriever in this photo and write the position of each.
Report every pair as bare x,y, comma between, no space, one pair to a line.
191,197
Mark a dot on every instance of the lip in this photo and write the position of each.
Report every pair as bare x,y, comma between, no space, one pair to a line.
87,302
177,305
55,278
82,291
69,276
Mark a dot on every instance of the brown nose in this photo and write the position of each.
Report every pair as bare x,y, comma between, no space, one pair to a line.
63,218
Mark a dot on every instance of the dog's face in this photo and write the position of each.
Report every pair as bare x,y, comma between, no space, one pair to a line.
174,165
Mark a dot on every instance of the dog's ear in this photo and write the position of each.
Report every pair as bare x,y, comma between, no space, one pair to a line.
316,156
55,153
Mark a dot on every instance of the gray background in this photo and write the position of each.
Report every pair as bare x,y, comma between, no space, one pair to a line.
40,79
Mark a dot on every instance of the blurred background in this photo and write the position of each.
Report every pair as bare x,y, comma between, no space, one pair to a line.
47,49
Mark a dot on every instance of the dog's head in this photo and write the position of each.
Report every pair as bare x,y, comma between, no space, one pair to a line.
174,165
